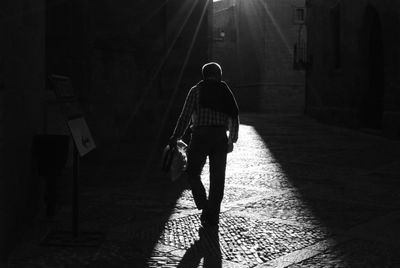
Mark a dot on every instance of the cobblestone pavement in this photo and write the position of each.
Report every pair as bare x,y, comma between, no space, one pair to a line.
298,194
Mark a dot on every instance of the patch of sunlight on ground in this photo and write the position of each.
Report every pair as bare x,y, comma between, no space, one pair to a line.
251,158
248,167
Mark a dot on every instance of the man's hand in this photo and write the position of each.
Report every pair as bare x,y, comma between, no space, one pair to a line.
230,147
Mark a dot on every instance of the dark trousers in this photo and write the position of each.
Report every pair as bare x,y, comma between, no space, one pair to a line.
211,142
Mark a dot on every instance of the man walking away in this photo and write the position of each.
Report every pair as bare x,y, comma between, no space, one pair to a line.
212,110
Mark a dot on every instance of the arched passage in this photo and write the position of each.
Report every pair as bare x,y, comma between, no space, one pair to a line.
372,94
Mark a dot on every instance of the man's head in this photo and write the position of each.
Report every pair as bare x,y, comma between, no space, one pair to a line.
212,71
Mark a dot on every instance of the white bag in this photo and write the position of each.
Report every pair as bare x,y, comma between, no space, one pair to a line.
179,161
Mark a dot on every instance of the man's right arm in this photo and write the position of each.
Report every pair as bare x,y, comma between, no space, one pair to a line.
185,116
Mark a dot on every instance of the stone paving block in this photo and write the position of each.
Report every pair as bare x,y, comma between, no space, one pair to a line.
367,194
163,248
231,194
384,229
35,256
178,252
355,253
305,253
327,243
299,171
390,168
257,167
159,259
317,212
241,240
276,181
121,254
293,257
358,160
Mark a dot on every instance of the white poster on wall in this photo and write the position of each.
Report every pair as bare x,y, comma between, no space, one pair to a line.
81,134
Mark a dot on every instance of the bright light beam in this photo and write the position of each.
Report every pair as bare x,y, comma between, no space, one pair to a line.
148,19
277,27
156,73
172,99
249,43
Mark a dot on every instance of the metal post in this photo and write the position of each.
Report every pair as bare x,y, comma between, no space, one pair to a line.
75,193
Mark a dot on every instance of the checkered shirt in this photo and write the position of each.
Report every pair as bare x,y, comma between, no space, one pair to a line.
192,112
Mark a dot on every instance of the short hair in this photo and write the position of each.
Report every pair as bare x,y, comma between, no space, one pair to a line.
212,69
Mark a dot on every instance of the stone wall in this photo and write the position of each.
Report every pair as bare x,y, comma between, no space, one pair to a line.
125,59
259,57
271,98
139,55
364,90
22,83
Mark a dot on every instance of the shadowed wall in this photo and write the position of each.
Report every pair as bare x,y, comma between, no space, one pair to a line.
124,58
353,77
22,83
257,52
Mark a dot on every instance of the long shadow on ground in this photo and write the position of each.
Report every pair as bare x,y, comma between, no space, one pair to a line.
137,211
116,200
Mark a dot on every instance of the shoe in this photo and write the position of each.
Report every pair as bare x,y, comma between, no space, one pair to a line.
199,199
200,205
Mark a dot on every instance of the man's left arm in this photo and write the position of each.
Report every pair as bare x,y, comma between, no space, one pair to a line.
233,133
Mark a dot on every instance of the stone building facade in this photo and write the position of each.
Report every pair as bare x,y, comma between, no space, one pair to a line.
255,42
22,83
127,60
353,59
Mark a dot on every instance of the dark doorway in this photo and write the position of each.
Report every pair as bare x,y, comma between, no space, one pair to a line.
372,95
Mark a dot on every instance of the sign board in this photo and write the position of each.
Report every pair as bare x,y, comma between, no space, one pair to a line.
62,86
81,135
